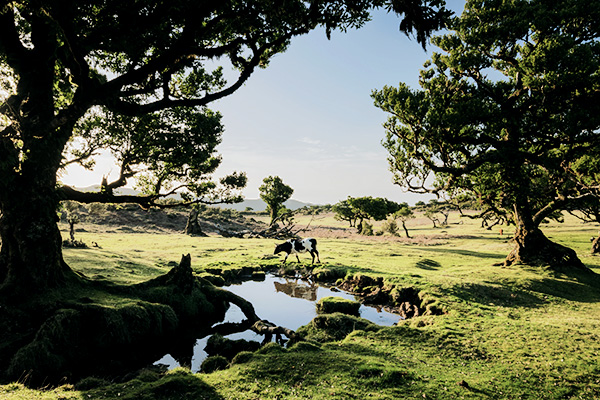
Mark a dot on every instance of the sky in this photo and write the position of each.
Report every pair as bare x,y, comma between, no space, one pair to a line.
309,118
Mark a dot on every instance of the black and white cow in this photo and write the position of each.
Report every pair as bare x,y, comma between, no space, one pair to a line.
295,246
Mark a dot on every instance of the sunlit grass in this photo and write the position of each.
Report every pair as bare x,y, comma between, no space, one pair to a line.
509,332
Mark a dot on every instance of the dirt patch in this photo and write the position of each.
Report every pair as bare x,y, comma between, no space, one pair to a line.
132,218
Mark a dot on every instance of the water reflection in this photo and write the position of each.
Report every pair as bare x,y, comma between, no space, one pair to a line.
288,302
292,288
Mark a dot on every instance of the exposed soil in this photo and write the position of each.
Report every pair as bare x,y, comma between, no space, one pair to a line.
132,218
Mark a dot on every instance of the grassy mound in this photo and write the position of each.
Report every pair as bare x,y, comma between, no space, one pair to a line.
329,305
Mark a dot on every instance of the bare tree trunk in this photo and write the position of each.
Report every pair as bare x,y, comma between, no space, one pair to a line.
405,230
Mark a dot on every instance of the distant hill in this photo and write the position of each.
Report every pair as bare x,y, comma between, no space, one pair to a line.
259,205
255,204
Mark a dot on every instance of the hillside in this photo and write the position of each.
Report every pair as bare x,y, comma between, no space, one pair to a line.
254,204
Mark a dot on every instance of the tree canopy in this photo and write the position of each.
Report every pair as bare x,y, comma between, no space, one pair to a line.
355,209
509,111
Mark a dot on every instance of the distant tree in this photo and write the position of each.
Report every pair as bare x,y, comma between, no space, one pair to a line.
509,112
357,209
343,212
404,214
431,214
274,192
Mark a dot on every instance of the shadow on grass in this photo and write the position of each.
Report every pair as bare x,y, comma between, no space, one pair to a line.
430,265
494,294
580,287
468,253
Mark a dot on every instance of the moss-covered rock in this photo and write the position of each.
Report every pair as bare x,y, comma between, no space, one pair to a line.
219,345
328,273
214,363
305,346
330,305
333,327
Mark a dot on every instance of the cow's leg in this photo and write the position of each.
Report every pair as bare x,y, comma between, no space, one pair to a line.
285,258
317,253
297,258
312,253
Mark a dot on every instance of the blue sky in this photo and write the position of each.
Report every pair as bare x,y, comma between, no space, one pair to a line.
309,118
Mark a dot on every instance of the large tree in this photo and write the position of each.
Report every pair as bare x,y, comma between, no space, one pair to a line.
134,77
509,111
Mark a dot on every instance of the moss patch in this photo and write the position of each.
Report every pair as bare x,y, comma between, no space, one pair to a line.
330,305
332,327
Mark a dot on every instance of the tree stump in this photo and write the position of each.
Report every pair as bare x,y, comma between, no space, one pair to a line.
192,226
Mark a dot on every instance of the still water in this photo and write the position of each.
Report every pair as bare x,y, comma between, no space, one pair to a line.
287,302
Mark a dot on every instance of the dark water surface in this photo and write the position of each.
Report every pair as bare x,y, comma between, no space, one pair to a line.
287,302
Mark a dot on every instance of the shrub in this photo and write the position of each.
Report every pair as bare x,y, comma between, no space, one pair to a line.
214,363
366,229
390,226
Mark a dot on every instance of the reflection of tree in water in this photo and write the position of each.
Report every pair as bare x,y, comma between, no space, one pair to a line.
294,289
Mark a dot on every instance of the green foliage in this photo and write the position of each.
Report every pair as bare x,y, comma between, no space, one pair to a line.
390,226
344,212
358,209
506,113
274,192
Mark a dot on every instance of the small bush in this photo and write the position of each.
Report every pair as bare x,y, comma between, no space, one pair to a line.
390,226
214,363
366,229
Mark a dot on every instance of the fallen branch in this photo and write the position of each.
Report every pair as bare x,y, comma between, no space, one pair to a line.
268,329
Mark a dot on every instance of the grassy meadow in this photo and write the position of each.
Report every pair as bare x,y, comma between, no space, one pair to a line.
513,332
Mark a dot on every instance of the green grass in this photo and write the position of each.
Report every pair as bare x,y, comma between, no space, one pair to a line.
509,333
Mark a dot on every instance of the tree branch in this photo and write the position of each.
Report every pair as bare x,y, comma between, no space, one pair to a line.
10,44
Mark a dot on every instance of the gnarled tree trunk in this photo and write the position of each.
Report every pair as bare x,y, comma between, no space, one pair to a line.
31,254
534,248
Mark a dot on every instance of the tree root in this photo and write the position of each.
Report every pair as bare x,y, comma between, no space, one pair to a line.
268,329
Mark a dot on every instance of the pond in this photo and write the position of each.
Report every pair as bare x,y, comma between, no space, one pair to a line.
287,302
